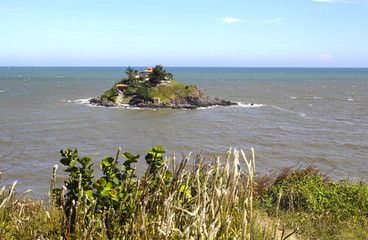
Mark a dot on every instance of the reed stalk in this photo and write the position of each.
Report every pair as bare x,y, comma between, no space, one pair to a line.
202,201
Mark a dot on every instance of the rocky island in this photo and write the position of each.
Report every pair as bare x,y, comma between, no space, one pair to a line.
155,88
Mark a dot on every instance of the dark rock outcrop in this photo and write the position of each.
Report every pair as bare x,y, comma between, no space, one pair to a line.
102,102
195,100
185,103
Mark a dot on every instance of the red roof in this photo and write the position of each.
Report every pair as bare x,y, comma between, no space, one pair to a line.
150,69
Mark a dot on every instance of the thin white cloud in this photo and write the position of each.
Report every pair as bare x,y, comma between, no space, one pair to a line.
232,20
54,32
276,20
325,56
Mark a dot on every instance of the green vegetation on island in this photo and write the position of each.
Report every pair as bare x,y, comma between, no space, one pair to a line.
208,199
157,88
151,83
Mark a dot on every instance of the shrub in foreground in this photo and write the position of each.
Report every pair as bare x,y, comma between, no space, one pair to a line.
206,200
325,209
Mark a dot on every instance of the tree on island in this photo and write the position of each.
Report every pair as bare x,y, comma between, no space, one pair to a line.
133,75
144,93
169,76
130,72
157,75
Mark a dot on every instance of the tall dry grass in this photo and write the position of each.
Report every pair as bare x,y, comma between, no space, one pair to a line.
203,201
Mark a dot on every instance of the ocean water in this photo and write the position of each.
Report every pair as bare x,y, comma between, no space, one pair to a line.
298,116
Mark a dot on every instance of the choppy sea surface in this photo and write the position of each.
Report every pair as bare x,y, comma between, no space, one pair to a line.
289,115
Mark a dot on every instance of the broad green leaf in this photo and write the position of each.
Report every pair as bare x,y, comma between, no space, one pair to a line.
101,182
130,156
85,161
128,162
72,170
113,193
127,155
72,163
89,193
107,161
116,181
65,161
75,153
158,149
65,153
149,157
109,186
105,193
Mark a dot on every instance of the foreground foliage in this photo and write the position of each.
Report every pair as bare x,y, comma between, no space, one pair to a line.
204,200
323,208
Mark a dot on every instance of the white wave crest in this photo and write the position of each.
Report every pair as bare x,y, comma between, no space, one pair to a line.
81,101
305,97
249,105
301,114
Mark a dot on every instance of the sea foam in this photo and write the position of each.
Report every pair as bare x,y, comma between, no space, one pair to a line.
82,101
249,105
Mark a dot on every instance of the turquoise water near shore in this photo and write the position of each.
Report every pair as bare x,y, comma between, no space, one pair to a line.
299,115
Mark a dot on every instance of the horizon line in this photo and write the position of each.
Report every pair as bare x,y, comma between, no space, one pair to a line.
172,66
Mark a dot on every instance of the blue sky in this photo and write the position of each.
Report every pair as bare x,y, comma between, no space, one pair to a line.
238,33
